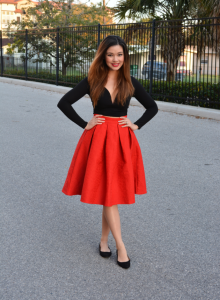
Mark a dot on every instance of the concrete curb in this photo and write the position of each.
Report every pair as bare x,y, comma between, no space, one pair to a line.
163,106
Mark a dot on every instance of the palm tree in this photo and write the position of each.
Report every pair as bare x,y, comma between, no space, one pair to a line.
171,16
208,8
171,38
156,9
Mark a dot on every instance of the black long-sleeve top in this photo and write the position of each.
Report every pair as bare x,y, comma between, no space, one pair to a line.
105,106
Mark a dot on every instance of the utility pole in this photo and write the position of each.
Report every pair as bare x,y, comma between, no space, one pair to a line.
69,3
104,35
104,17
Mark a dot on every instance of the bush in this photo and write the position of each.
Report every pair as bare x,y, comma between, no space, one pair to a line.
190,93
46,77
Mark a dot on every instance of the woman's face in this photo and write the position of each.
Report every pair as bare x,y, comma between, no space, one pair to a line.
114,57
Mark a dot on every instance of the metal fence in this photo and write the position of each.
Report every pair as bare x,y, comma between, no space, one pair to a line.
176,61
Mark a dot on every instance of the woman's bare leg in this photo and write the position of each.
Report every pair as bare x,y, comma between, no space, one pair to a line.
112,217
105,233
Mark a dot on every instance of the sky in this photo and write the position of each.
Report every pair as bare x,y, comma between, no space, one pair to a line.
110,3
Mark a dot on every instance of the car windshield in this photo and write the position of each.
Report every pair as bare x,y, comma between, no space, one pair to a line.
158,65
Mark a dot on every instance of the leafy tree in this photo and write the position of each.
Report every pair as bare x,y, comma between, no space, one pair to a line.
74,45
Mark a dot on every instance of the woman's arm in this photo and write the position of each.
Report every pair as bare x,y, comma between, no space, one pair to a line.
65,103
146,100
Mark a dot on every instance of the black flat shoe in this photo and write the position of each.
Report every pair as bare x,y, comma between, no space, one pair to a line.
104,254
125,264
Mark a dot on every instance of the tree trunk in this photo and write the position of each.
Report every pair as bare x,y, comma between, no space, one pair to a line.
172,61
172,43
63,67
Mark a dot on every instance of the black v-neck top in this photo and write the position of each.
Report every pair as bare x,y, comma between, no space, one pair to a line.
105,106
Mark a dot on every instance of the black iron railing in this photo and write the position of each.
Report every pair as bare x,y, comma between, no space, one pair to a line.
176,61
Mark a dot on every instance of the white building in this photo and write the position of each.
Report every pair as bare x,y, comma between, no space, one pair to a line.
13,10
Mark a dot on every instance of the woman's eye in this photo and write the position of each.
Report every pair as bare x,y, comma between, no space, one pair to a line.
118,55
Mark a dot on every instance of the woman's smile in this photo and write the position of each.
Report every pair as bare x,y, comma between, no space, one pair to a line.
115,65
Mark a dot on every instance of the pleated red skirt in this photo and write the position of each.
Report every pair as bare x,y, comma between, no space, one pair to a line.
107,166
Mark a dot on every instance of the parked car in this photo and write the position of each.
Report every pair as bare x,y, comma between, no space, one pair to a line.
159,71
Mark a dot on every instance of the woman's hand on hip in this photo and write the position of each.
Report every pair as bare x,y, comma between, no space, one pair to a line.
94,121
127,123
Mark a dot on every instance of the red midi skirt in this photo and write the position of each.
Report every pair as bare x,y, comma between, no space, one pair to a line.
107,166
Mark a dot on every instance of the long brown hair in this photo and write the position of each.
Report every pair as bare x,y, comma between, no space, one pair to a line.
98,72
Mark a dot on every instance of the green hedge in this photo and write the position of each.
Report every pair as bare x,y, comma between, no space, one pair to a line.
190,93
196,94
46,77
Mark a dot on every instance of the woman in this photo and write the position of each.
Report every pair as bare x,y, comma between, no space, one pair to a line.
107,166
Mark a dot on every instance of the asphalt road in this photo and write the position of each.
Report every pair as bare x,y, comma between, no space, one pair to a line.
49,241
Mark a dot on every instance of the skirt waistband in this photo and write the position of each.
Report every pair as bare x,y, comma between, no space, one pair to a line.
109,119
